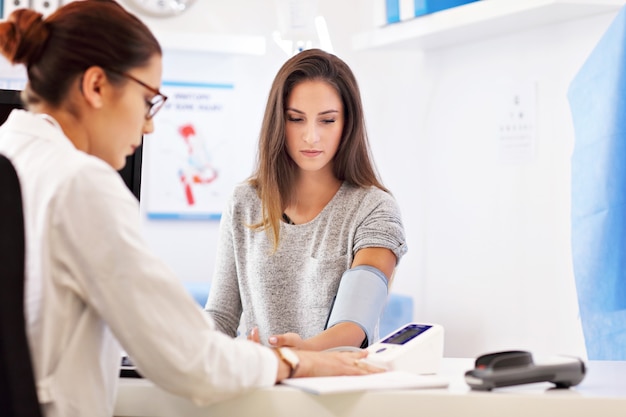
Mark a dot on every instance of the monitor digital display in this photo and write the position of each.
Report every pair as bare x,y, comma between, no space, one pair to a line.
406,334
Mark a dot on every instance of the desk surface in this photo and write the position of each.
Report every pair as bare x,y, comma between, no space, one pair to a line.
602,393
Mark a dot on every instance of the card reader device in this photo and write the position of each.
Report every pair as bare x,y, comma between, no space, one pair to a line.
414,347
128,369
516,367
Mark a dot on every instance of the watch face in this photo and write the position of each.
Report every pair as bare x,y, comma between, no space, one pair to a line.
161,8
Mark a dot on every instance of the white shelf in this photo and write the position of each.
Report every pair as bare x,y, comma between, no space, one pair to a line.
202,42
479,20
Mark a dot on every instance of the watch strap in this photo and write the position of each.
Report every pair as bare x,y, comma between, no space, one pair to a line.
290,358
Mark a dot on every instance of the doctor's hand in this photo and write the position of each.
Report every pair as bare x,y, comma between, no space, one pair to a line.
332,364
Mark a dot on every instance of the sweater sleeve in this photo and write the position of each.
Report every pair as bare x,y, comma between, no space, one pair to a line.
224,302
381,225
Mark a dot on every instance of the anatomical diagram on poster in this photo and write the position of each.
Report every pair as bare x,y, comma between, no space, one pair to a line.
186,158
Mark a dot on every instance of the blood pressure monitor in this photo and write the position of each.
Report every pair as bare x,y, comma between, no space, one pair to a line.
416,348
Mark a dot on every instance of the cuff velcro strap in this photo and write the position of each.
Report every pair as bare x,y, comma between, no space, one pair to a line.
360,299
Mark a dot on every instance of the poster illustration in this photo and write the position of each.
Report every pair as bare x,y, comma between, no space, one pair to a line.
184,156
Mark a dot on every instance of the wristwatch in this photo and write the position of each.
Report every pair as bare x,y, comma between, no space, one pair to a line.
290,358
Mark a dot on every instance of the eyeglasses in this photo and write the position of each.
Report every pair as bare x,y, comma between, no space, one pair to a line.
156,103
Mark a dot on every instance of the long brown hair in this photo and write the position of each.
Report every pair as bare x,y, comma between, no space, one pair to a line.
75,37
274,174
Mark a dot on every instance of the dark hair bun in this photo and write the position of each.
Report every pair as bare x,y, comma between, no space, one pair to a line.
23,36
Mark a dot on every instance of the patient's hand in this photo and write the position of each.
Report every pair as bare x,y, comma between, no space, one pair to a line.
292,340
253,335
341,334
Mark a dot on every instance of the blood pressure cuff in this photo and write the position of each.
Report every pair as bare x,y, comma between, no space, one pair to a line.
360,299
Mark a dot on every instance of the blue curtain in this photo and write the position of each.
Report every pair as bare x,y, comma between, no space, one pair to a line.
597,98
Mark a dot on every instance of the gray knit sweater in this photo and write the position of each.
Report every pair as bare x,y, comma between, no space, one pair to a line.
292,290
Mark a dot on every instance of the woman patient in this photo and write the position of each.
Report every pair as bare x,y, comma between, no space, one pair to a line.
309,243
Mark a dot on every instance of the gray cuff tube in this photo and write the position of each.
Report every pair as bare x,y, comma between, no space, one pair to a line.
360,299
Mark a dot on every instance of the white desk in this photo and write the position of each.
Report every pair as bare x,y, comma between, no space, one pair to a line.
601,394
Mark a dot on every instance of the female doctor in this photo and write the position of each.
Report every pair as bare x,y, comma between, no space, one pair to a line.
93,76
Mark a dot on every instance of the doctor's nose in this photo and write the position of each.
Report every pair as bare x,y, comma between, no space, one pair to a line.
148,126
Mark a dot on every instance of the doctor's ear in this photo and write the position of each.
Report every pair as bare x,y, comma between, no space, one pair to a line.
91,85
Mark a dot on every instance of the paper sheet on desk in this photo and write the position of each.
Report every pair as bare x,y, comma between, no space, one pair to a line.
381,381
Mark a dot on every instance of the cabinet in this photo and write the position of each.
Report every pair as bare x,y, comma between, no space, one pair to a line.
479,20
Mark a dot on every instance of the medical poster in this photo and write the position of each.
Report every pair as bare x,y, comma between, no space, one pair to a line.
204,139
188,171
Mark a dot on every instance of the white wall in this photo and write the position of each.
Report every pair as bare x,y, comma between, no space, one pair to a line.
189,246
489,254
494,267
